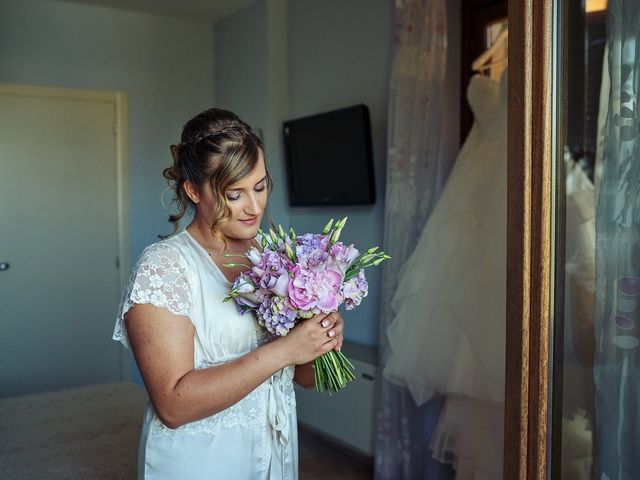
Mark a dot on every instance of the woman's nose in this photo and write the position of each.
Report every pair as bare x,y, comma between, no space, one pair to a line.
252,207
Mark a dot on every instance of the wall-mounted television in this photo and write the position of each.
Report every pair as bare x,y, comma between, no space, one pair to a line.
329,158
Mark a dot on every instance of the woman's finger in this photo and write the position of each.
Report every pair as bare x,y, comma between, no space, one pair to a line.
325,321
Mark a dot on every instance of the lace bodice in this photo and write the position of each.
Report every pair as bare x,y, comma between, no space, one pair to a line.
160,279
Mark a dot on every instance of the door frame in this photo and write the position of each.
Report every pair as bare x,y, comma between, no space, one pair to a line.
119,101
529,241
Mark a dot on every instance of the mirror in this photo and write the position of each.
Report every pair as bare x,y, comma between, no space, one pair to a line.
595,422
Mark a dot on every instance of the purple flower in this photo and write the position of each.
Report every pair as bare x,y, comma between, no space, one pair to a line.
274,283
328,290
314,259
244,304
272,262
355,290
344,255
310,290
270,273
276,315
301,289
309,242
247,296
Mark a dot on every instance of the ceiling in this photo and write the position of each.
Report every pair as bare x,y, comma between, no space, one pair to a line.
208,11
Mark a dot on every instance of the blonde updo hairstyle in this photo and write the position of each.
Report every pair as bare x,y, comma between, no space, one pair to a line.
215,147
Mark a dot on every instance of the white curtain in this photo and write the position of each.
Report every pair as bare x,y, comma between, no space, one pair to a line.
413,180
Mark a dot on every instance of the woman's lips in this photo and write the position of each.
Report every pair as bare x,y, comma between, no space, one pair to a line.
251,221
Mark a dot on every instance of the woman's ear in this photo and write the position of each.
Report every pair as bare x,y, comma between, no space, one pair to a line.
191,191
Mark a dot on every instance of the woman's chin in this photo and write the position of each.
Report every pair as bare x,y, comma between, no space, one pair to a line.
245,233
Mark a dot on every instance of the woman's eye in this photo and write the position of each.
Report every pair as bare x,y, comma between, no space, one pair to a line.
260,188
233,198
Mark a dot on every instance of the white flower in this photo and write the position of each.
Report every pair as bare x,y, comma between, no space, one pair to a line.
254,255
244,286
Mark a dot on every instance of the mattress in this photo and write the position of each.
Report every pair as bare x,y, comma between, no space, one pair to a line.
81,433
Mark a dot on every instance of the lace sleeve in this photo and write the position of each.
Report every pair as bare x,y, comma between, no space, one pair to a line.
160,279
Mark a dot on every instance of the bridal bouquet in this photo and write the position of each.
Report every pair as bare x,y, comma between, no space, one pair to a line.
292,278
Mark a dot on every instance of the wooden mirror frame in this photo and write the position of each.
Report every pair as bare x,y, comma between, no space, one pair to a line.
529,212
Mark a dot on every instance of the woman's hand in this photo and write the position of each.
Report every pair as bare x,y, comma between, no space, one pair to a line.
339,329
313,337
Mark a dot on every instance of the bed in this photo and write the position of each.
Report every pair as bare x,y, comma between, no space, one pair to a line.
81,433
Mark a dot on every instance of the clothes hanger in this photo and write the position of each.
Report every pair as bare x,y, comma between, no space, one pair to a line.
480,65
489,66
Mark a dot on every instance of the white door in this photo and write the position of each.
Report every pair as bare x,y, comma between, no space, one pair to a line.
59,282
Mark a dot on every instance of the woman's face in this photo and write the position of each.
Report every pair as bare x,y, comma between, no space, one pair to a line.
247,200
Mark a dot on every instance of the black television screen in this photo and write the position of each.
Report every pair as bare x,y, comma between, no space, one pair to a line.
329,158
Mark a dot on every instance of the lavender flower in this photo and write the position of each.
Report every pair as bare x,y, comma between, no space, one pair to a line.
276,315
345,255
355,290
309,242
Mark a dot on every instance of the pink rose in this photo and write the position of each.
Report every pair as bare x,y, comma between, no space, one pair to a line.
328,290
301,289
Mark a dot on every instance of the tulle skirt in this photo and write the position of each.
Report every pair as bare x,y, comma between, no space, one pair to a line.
449,327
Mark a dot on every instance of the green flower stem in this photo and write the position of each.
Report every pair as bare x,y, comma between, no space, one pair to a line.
332,380
337,368
332,372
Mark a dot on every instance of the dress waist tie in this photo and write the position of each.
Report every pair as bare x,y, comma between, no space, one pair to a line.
279,421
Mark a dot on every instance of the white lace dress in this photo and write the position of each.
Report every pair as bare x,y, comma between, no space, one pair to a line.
254,439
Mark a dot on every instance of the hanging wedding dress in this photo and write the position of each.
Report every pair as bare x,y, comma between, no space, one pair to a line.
448,334
579,283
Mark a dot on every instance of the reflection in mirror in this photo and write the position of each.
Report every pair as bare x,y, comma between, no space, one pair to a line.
584,117
600,424
496,37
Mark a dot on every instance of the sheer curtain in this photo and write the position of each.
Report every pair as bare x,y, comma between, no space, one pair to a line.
617,319
413,180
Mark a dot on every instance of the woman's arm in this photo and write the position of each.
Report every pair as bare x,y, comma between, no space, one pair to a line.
305,376
162,344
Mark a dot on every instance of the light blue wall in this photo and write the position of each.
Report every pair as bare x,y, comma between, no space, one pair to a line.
241,64
165,65
339,55
251,80
322,56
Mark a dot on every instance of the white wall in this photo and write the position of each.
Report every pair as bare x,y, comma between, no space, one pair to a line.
165,65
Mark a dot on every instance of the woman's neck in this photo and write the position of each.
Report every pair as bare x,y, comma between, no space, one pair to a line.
201,231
